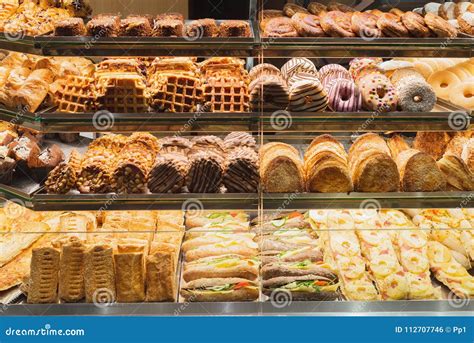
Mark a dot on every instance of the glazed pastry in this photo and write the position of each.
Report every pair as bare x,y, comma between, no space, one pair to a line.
268,14
440,26
135,26
301,76
234,28
415,24
70,27
317,8
343,96
463,95
392,26
398,12
169,28
298,65
241,175
378,93
308,96
446,10
280,27
307,25
264,69
401,73
466,23
269,91
291,9
364,25
415,95
202,28
431,7
360,67
337,24
463,7
333,71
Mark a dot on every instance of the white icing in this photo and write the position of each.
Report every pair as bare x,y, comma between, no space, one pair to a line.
418,10
454,22
432,7
394,65
468,17
449,8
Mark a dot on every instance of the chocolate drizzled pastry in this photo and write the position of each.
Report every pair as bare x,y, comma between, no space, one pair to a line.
70,27
239,139
106,26
175,145
168,175
135,26
211,144
63,178
234,28
242,172
168,28
202,28
205,172
7,165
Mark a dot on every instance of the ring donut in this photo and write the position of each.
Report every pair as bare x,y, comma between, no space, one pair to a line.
463,94
415,24
360,67
344,96
308,25
333,71
364,25
280,27
378,93
337,24
442,28
415,95
443,82
392,26
298,65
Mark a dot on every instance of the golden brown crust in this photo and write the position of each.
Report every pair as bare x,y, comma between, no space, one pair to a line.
440,27
161,277
71,272
364,25
130,277
415,23
397,144
458,175
317,8
392,26
432,143
99,275
44,276
291,9
337,24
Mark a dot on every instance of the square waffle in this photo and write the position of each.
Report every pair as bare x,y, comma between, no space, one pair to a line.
75,94
122,93
224,94
176,93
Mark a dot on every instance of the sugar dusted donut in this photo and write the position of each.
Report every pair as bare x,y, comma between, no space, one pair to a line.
463,94
378,93
344,96
443,83
415,95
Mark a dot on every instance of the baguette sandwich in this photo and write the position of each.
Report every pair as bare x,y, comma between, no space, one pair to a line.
220,289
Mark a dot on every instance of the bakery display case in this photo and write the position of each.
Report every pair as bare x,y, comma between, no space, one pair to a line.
286,163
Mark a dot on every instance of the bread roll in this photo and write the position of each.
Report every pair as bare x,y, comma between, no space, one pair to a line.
326,166
281,168
161,277
99,274
371,166
130,277
71,272
43,283
458,175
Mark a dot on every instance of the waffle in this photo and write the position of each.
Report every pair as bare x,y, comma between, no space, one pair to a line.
75,94
176,93
122,93
224,94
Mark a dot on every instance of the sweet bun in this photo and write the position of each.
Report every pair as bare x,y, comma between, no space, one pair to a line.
337,24
441,27
308,25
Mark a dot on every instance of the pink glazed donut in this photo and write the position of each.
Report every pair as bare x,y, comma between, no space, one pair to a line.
344,96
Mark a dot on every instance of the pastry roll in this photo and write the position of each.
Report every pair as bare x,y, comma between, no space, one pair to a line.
99,274
71,272
130,277
44,277
161,277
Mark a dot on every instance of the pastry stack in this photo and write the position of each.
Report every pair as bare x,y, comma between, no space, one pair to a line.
457,13
281,168
220,257
292,262
326,166
268,90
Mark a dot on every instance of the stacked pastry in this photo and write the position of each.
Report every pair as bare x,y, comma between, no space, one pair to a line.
339,20
220,265
326,166
134,162
382,261
411,246
371,165
292,261
343,94
418,170
121,87
225,83
457,13
342,251
281,168
462,146
268,89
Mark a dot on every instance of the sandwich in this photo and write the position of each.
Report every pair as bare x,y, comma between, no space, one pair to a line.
217,237
294,220
245,249
210,219
279,269
310,253
225,266
220,289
